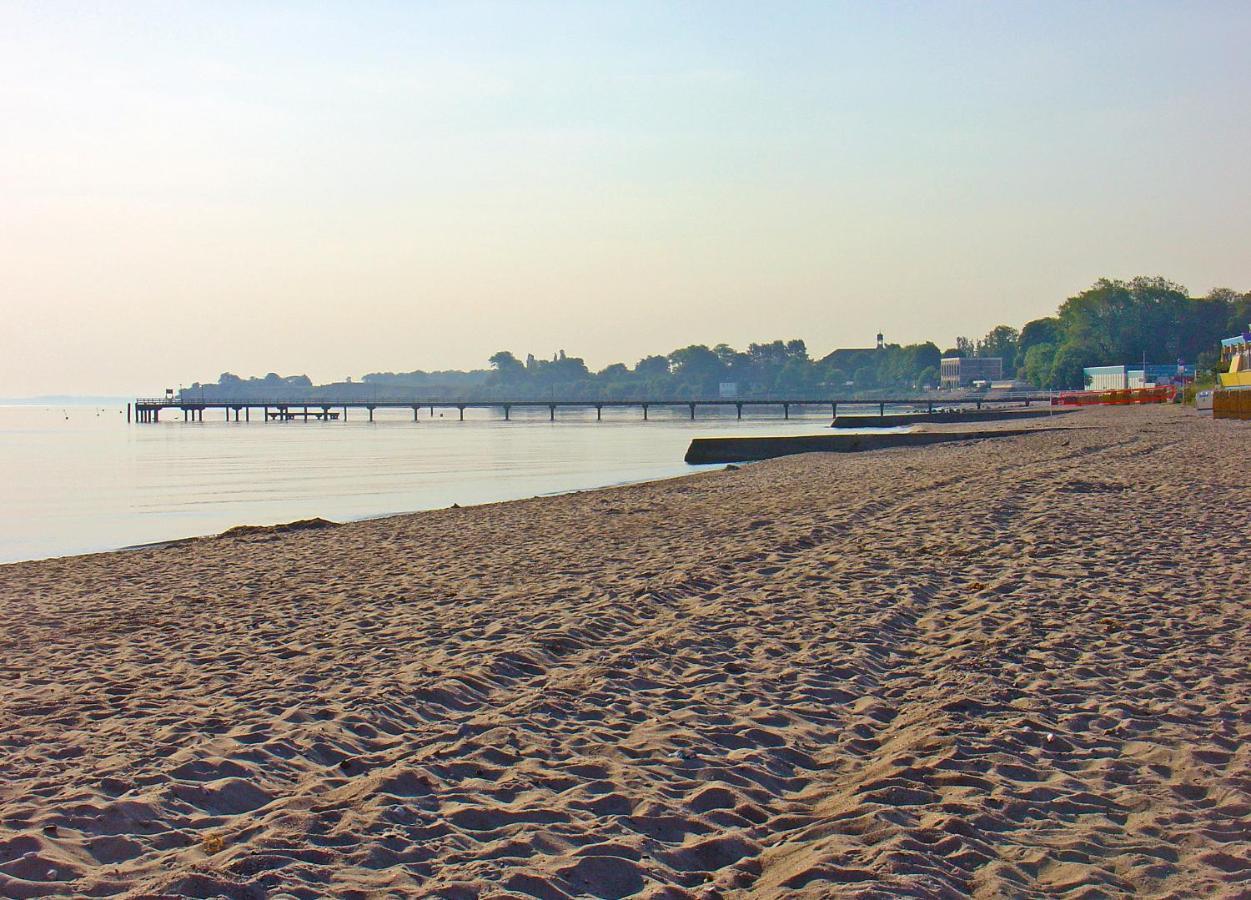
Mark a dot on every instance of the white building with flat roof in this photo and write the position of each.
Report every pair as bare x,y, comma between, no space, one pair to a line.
962,371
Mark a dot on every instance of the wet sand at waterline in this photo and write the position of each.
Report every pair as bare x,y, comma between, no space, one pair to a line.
1009,667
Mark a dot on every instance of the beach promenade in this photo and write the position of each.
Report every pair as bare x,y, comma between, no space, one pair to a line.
1005,668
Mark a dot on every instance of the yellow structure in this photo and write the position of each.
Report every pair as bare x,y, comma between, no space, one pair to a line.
1232,404
1236,355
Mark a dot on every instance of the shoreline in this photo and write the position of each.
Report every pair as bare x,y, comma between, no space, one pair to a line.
130,487
699,469
976,670
166,543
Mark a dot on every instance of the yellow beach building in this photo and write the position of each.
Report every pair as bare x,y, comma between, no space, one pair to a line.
1233,399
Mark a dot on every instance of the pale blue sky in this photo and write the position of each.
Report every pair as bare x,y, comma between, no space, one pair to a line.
400,186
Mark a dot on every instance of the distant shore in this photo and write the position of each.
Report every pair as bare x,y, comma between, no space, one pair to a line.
988,668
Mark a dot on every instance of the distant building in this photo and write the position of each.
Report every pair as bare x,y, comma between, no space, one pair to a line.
962,371
1120,378
849,359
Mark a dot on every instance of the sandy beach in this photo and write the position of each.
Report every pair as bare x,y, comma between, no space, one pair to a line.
1005,668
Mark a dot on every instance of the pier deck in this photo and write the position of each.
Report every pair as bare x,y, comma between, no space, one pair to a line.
286,410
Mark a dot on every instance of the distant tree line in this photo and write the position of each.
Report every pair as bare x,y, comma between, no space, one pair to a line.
1111,323
1123,322
770,369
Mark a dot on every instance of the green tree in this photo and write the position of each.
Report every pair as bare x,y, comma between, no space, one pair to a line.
865,378
695,363
1036,369
1069,361
652,366
1038,331
1001,341
508,369
797,376
1124,321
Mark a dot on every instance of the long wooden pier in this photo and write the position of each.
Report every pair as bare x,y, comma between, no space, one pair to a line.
322,409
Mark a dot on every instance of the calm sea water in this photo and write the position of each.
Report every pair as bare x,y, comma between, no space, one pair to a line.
77,479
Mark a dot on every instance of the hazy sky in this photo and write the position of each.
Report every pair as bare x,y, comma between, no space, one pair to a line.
333,189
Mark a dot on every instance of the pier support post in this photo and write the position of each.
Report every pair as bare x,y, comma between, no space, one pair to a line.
507,411
930,408
371,413
247,414
414,413
462,412
127,413
834,410
786,410
644,412
432,412
265,413
881,409
739,406
599,412
551,409
692,412
156,414
345,414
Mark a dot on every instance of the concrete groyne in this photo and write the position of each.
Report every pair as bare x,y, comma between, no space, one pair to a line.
948,416
752,449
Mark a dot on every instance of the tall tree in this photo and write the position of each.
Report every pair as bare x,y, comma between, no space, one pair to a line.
1001,341
508,369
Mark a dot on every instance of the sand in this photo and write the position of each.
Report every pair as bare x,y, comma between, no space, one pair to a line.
1013,667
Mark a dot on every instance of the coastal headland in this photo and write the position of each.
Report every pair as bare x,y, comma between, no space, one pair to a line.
1006,667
